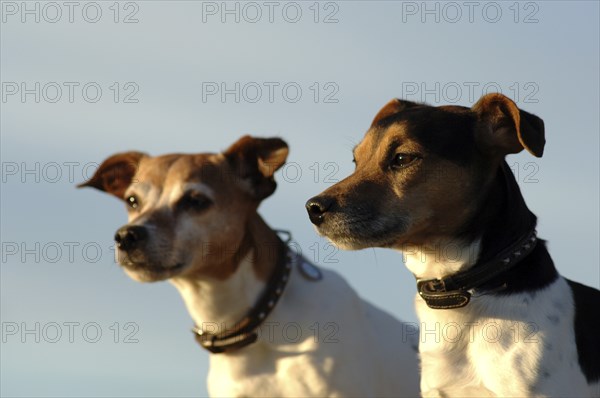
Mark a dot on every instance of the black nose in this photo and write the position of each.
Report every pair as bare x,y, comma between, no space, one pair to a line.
130,237
317,207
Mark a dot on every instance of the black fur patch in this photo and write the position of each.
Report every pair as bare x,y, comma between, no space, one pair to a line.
445,131
587,329
503,218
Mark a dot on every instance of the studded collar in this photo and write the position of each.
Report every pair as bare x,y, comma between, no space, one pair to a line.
455,291
244,333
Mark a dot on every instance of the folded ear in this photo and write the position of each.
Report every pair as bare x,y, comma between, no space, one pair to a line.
256,160
508,129
116,173
391,108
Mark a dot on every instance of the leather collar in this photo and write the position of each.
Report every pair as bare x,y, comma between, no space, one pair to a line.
244,333
453,291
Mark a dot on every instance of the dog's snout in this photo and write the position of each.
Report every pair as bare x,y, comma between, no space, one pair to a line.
317,207
130,237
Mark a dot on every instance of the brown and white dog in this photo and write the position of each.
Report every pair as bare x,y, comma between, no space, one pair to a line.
496,317
276,325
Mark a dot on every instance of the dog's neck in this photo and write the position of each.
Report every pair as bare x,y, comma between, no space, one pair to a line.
502,218
217,305
440,257
503,215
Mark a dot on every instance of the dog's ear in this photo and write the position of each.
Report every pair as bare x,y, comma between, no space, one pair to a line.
115,174
508,129
256,160
391,108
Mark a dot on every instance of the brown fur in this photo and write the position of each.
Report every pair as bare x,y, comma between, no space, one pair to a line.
456,152
116,173
197,243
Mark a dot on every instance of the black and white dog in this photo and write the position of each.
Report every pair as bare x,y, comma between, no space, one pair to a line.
496,317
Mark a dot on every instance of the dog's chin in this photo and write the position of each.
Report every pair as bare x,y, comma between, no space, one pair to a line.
148,272
358,243
346,239
353,242
347,243
143,268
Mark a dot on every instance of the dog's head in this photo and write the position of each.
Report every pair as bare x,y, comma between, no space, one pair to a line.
421,171
188,213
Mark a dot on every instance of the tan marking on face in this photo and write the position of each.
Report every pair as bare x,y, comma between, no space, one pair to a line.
426,197
153,170
213,241
435,197
433,193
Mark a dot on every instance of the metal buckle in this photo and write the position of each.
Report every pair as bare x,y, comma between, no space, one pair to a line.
434,292
431,286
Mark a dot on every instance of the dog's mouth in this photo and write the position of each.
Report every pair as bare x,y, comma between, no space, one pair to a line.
358,233
352,242
143,269
135,266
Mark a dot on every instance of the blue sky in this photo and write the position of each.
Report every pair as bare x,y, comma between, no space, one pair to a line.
156,84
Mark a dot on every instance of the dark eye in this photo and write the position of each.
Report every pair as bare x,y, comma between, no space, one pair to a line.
402,160
194,201
132,202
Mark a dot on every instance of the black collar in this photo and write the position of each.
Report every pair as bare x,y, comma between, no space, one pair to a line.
453,291
244,333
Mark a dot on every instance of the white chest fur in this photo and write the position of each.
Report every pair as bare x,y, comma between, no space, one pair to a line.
516,345
321,340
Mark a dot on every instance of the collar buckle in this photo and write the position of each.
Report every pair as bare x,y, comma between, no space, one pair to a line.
435,295
431,285
455,291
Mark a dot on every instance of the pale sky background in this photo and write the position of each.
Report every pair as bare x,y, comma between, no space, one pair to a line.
374,52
